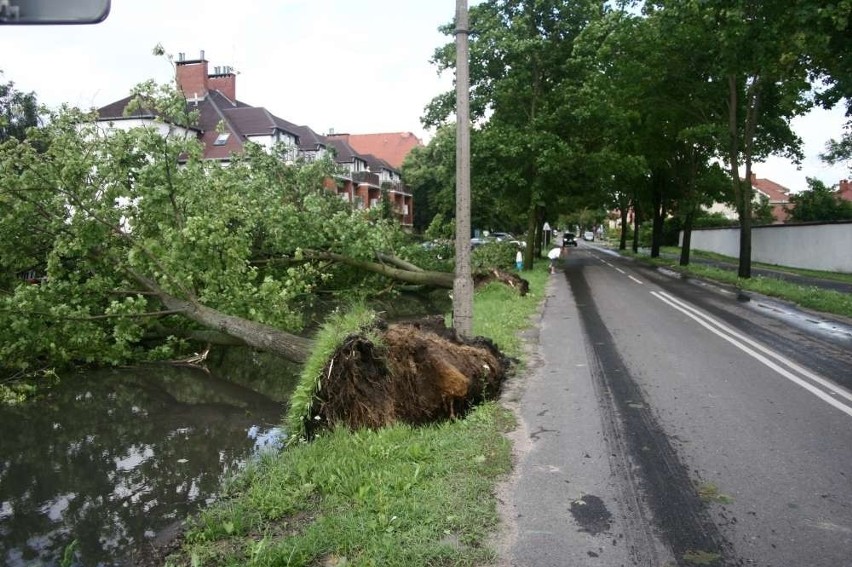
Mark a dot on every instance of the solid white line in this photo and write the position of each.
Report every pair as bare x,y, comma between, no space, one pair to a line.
635,280
833,388
757,356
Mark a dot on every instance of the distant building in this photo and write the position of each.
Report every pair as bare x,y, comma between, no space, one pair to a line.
844,190
778,195
226,124
392,147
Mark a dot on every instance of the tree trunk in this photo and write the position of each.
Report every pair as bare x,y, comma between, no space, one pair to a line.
657,218
742,189
256,335
686,245
624,207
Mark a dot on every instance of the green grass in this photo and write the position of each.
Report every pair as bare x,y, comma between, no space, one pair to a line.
402,495
498,312
810,297
833,276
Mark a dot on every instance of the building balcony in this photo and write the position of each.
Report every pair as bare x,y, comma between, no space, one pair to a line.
366,177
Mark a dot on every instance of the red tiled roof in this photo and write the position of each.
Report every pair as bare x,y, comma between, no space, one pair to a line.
777,193
392,147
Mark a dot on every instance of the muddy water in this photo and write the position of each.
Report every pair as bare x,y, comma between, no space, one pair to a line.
111,459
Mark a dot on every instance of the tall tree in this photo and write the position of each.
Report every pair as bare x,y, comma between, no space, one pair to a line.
760,54
520,55
430,172
18,112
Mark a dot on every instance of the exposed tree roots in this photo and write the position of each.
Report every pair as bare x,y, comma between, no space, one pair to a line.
420,373
512,280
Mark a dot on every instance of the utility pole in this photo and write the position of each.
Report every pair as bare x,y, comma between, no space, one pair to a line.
463,282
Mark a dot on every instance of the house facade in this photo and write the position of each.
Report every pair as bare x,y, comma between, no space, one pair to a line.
778,195
226,124
386,152
844,190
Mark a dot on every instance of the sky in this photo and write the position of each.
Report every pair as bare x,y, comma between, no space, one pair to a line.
357,67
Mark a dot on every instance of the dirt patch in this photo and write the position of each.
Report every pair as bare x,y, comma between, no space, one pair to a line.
418,372
154,552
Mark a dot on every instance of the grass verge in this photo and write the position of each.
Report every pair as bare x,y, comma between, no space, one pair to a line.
810,297
834,276
402,495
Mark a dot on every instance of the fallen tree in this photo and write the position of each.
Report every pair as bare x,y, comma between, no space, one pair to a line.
139,245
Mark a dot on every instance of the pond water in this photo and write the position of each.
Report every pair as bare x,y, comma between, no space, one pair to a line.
110,459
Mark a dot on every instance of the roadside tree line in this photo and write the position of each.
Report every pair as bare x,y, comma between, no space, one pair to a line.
655,107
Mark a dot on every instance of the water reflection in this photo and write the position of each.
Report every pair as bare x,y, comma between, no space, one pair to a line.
111,458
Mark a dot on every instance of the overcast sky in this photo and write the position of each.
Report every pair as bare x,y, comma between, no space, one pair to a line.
356,67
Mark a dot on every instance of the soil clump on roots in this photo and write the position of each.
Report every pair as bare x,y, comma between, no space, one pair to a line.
416,372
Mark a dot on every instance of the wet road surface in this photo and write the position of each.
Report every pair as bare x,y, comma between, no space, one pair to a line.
668,423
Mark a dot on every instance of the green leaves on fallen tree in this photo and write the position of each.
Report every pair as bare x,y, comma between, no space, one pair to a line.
134,239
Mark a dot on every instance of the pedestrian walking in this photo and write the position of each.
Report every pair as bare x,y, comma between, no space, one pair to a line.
554,253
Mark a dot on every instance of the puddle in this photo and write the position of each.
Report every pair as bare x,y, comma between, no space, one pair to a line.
591,513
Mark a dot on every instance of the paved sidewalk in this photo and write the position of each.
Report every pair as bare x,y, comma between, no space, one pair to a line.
565,504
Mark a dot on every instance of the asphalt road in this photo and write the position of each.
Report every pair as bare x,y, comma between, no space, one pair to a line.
664,422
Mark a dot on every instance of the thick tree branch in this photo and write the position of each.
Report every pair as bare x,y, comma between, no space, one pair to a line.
398,262
257,335
423,277
46,315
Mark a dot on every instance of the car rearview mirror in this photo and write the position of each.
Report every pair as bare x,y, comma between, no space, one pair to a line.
22,12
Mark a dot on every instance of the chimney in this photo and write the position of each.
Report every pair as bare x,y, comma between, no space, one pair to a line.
192,76
224,80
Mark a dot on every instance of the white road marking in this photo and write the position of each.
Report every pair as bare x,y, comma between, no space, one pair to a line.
751,347
617,269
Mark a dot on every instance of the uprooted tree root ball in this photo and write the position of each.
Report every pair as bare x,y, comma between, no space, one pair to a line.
421,372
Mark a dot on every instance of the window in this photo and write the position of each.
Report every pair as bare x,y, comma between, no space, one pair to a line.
222,139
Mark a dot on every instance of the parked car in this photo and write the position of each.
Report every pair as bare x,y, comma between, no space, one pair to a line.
569,239
501,236
508,237
588,236
474,242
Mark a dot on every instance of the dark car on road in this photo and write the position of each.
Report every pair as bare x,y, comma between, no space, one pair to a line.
569,239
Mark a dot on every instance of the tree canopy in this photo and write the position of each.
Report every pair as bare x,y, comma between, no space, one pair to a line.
582,105
137,243
18,111
818,204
